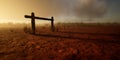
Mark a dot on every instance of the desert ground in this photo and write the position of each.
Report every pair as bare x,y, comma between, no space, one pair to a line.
70,41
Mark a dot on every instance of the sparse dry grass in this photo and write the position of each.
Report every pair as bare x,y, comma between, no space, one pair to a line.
70,42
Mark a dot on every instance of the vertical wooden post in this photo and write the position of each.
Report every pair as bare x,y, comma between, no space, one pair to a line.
33,22
52,24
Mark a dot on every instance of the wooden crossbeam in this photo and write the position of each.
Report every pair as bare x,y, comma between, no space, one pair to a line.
33,17
27,16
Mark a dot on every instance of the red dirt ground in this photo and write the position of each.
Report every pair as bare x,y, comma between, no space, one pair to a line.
68,42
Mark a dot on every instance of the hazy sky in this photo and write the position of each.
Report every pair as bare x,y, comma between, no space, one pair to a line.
62,10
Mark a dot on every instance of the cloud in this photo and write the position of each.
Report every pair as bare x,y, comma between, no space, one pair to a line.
62,7
79,8
92,8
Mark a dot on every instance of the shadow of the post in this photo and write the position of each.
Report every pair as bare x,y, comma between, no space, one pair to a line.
105,34
47,35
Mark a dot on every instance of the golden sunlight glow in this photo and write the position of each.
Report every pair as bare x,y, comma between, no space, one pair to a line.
13,10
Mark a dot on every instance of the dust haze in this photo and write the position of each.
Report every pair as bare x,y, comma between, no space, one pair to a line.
79,8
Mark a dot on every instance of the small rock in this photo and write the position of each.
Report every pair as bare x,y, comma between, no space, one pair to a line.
37,47
73,51
31,43
60,51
